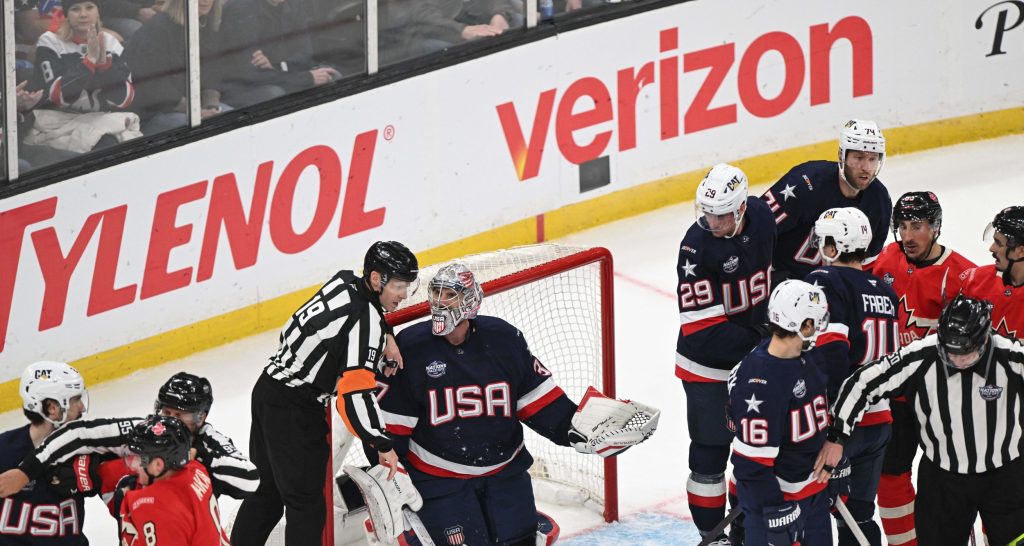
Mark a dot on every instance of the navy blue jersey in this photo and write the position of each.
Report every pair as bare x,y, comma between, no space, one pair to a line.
461,406
36,515
863,326
780,410
723,291
799,198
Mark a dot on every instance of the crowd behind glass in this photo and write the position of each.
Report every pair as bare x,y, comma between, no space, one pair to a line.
90,74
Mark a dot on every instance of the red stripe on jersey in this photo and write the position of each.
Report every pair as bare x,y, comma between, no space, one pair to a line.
809,490
532,408
698,325
428,468
832,337
763,461
875,418
399,430
56,98
687,375
717,501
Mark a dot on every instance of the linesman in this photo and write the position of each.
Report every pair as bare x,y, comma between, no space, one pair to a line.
966,387
335,343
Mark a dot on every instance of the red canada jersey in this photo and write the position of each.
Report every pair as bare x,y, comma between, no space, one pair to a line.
922,291
986,283
175,511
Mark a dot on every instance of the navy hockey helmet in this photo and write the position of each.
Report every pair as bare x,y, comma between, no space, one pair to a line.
164,437
186,392
964,328
392,260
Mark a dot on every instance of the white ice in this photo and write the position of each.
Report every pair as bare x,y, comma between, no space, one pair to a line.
973,181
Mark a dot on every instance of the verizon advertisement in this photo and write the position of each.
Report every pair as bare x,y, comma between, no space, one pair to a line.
120,255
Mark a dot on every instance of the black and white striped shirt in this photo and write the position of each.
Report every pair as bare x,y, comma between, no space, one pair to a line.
339,334
230,471
970,420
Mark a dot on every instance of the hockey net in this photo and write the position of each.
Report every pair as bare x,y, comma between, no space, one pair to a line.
560,297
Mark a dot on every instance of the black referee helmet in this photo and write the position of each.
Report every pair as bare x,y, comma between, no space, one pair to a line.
186,392
964,327
392,260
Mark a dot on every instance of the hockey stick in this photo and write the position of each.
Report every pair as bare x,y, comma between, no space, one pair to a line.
851,523
417,526
734,513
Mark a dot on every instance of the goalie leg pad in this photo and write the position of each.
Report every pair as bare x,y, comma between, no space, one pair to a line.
547,530
385,498
606,426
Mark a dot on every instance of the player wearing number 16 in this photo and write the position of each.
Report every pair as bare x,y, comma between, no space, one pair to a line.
724,261
862,327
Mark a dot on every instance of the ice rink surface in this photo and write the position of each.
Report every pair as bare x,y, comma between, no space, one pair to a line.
973,181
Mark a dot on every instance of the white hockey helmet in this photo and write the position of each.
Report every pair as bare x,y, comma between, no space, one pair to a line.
54,381
849,227
723,191
861,135
447,313
792,303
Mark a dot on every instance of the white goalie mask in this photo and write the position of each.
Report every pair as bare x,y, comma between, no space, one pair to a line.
723,191
454,296
54,381
864,136
792,303
848,227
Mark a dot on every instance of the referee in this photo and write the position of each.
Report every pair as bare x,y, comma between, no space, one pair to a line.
966,386
335,342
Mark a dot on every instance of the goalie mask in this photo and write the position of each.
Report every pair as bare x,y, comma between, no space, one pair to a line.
862,136
794,302
55,381
721,195
454,296
849,229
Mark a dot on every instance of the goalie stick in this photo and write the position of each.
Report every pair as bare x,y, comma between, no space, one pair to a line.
734,513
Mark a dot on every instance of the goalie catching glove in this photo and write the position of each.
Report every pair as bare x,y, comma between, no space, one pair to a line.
385,498
607,426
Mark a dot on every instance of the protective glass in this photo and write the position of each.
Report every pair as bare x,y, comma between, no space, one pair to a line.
409,287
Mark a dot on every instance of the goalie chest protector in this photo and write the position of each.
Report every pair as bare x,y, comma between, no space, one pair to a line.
462,405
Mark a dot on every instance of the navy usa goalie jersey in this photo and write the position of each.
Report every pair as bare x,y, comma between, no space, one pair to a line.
863,326
461,407
722,293
780,412
799,197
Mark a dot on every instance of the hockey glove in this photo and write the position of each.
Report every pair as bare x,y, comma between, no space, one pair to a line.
80,475
784,525
385,498
607,426
124,485
839,483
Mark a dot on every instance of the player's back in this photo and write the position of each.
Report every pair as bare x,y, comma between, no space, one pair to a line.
922,290
800,196
862,311
176,510
36,515
986,283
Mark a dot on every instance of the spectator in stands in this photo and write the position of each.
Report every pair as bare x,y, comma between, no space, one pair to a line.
449,22
158,54
86,83
270,52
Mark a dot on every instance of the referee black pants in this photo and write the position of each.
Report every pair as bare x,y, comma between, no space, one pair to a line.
288,443
948,503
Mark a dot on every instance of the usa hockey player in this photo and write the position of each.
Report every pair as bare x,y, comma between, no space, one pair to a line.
778,405
723,272
1002,283
809,189
925,276
457,410
175,504
185,396
53,394
862,328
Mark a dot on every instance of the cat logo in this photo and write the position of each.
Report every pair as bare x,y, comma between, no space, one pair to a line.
43,374
830,214
733,184
814,297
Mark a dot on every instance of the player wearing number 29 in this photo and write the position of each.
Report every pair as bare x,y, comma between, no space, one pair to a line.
469,384
723,269
175,504
862,328
778,405
334,343
809,189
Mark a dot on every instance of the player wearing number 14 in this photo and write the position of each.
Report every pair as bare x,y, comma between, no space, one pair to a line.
723,267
